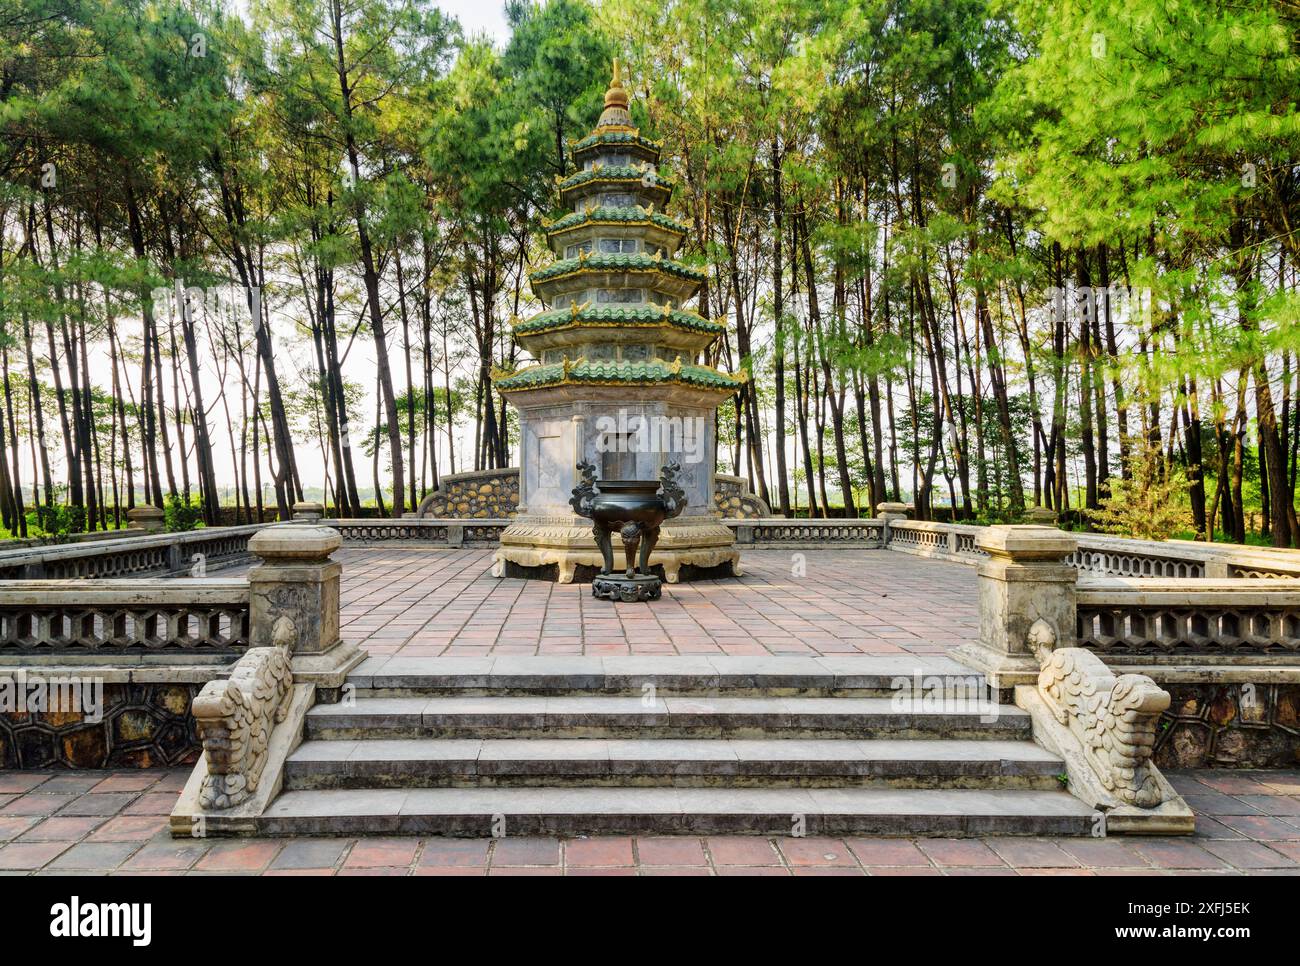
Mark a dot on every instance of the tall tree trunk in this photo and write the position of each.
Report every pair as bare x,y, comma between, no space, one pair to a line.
369,272
778,362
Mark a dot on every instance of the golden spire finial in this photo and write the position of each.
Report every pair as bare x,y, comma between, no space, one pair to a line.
616,96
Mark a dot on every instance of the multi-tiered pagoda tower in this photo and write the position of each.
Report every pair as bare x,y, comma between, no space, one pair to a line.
619,380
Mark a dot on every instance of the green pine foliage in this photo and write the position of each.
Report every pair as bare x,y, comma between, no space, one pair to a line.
894,206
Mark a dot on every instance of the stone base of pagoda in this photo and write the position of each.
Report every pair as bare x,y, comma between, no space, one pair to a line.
563,548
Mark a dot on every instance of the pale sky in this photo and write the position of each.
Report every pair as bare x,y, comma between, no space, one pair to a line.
294,356
476,16
479,16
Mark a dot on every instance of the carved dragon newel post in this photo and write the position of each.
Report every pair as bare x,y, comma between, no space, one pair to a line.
1102,725
250,721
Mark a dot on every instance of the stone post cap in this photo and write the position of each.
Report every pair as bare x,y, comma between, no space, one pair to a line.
1027,542
899,509
308,505
1041,515
145,517
295,541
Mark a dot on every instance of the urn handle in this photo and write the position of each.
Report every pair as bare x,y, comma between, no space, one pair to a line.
584,494
674,496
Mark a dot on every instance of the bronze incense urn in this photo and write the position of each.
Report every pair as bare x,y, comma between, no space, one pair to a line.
634,509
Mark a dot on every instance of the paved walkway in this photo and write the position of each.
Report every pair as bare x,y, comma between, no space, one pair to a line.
441,603
98,823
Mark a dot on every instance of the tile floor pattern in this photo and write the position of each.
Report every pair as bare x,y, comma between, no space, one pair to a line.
114,822
442,603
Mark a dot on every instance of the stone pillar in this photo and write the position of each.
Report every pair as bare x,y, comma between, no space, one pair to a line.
1025,579
888,514
145,518
579,422
1041,516
307,512
1217,569
295,601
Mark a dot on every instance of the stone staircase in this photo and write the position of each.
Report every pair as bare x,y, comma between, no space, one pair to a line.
575,746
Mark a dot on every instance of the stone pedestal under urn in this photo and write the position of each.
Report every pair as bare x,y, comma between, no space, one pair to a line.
619,382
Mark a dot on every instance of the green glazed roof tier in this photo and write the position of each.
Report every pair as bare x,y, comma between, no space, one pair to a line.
612,315
623,172
605,262
599,139
619,175
623,216
611,373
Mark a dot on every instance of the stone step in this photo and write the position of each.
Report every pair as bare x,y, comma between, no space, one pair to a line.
596,811
671,717
881,676
431,762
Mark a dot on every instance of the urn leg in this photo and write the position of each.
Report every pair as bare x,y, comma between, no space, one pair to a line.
648,541
631,535
606,545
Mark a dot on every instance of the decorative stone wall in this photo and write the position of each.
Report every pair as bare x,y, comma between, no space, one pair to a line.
1230,726
143,726
57,712
482,495
734,501
494,495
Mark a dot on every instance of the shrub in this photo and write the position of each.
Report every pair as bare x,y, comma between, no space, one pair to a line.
1152,503
182,514
58,522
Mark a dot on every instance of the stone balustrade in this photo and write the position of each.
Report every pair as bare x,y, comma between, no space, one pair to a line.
146,646
945,541
419,531
1171,620
123,618
197,552
780,532
1104,554
1226,649
1218,626
1126,557
194,552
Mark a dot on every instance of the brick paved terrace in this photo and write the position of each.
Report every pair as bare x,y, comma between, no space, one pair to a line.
101,823
442,603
